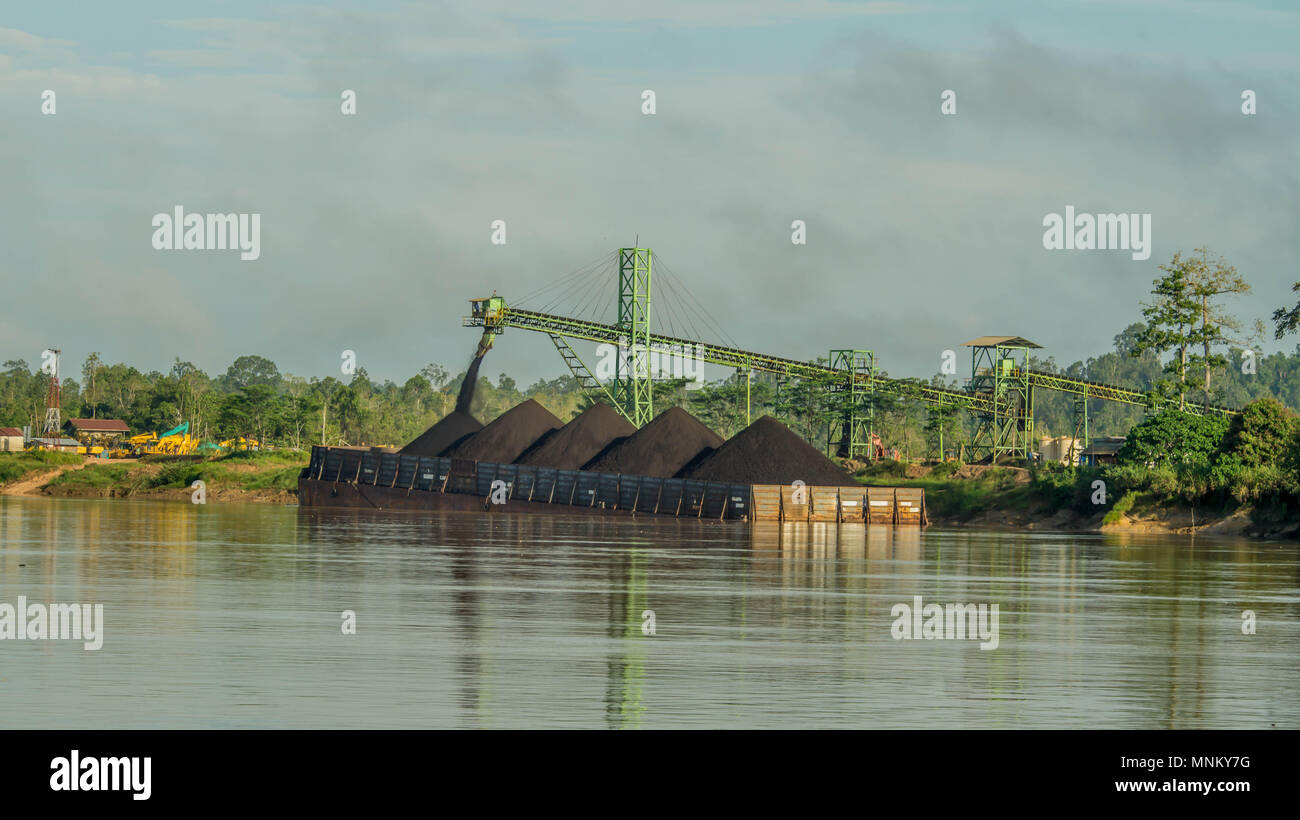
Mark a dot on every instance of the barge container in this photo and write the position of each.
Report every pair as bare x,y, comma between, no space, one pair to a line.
374,479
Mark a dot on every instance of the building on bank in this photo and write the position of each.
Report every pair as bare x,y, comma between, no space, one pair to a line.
11,440
105,432
1102,451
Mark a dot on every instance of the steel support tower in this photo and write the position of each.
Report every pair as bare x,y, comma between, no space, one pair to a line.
53,399
1000,376
633,385
852,392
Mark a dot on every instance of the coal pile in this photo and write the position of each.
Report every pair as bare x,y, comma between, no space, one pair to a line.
663,447
506,438
579,441
450,431
768,452
454,428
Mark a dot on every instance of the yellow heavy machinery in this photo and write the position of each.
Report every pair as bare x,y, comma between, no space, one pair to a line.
240,443
175,442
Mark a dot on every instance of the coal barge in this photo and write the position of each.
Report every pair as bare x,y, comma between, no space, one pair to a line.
382,480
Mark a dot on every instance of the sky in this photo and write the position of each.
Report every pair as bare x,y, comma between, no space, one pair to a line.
923,229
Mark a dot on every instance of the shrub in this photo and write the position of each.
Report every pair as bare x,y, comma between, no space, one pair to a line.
1264,434
1175,438
945,469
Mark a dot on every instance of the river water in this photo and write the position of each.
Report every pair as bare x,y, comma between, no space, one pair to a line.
232,616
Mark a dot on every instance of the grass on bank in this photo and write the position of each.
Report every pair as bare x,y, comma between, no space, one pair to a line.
16,466
272,470
1128,490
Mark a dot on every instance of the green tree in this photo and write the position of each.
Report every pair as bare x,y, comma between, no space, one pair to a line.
1171,318
1174,438
1209,280
250,370
1263,435
89,369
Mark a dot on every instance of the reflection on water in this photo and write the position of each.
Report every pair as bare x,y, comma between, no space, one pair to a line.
229,615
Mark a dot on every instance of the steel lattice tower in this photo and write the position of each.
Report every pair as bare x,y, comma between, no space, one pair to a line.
633,388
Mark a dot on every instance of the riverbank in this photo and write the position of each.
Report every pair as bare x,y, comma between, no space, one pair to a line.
1101,500
270,477
971,496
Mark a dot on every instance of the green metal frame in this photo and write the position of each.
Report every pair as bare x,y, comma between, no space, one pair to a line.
714,354
853,391
1000,394
589,383
1005,425
634,390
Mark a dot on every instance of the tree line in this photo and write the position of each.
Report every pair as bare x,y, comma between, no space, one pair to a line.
1187,345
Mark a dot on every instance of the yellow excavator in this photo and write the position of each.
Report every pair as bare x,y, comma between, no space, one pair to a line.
175,442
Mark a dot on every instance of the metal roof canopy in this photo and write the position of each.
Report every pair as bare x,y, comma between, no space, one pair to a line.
1001,341
99,425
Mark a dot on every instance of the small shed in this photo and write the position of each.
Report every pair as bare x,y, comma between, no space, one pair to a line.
62,444
1102,451
96,431
11,440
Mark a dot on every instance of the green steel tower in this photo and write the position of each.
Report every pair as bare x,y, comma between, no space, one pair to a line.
853,398
1001,384
633,388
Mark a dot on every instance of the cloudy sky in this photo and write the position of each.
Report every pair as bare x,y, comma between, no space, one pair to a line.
923,230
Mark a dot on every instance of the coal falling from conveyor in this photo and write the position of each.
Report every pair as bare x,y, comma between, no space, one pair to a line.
466,397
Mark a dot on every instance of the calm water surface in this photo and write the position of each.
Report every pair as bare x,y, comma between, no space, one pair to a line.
229,616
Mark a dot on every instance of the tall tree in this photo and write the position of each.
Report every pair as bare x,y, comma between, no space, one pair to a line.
89,370
1286,321
1209,280
249,370
1171,317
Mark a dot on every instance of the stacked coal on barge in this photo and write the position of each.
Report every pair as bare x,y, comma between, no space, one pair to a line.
528,461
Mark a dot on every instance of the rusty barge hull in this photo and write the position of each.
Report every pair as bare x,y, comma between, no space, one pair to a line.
315,493
376,480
